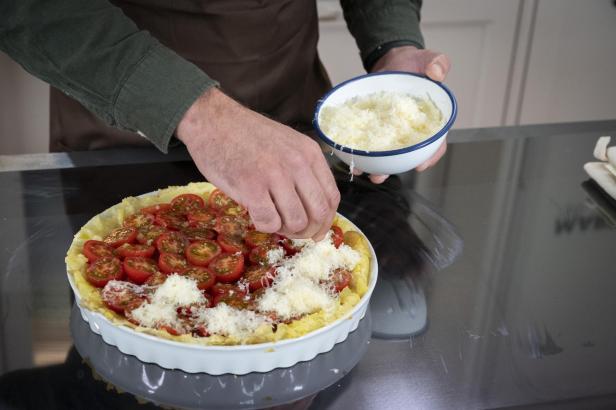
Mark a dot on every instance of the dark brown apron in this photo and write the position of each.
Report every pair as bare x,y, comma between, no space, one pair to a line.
263,53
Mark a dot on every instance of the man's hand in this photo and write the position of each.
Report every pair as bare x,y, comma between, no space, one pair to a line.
408,58
278,174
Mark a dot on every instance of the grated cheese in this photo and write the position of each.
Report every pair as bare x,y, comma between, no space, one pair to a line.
228,321
381,121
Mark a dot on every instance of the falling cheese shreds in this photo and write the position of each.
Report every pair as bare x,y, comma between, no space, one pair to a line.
275,255
381,121
228,321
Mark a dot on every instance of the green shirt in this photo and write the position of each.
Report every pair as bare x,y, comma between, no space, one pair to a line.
91,51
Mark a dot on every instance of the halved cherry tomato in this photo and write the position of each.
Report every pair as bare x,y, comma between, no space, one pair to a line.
194,234
232,244
172,263
230,225
103,270
186,203
171,220
234,210
119,236
289,246
201,253
169,329
200,331
139,220
259,256
156,279
96,249
219,200
154,209
337,236
256,238
204,278
134,249
172,242
238,301
224,288
259,276
341,279
139,269
227,266
146,235
202,217
120,295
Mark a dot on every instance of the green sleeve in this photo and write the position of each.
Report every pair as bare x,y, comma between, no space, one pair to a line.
377,25
91,51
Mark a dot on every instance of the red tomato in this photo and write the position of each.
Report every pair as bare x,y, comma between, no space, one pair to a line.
156,279
103,270
172,263
146,235
232,244
289,247
224,288
198,234
119,236
172,242
238,300
119,296
171,220
96,249
136,249
138,220
341,279
234,210
171,330
139,269
256,238
230,225
258,255
186,203
200,331
154,209
337,236
259,276
227,267
204,278
201,253
219,200
202,217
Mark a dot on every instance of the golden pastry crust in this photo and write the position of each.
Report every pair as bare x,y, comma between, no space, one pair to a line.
100,225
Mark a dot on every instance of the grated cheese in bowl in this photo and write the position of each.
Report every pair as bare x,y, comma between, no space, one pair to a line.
381,121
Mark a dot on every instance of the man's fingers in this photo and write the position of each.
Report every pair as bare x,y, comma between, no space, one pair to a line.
378,179
437,67
325,177
434,158
264,214
289,206
316,204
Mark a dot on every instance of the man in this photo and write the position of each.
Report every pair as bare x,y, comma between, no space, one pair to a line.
232,60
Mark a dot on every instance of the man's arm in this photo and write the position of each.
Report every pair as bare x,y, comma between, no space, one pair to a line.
94,53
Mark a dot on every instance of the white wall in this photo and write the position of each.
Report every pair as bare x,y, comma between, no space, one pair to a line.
24,110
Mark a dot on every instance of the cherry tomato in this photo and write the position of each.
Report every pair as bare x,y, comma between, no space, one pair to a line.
202,218
224,288
154,209
204,278
171,220
234,210
200,331
201,253
119,236
256,238
96,249
259,276
139,220
219,200
227,266
171,330
259,256
139,269
194,234
186,203
341,279
172,263
238,301
337,236
289,247
103,270
230,225
172,242
232,244
156,279
146,235
136,249
120,295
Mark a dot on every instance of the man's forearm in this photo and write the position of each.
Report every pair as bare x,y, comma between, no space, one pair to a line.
97,55
378,25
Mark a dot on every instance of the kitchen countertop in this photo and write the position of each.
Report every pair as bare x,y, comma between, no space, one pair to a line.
510,246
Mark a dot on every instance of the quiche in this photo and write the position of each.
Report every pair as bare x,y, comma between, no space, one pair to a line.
185,263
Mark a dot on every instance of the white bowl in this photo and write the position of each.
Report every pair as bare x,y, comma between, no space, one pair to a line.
398,160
